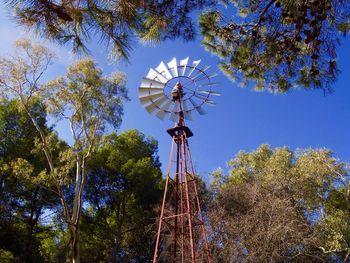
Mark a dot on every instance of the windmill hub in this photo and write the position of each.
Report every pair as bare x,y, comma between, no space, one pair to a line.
177,92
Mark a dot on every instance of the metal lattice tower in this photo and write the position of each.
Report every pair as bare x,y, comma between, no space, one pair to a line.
178,90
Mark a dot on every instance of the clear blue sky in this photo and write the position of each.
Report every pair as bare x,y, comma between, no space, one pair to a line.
242,119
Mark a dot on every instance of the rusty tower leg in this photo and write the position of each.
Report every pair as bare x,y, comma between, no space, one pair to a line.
181,233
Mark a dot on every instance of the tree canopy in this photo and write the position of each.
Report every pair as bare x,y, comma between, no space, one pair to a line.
96,200
278,45
23,199
115,22
275,45
124,184
89,101
281,206
274,204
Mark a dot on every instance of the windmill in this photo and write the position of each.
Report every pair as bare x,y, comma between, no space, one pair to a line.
177,91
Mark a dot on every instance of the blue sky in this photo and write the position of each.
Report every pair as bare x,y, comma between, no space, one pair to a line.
242,119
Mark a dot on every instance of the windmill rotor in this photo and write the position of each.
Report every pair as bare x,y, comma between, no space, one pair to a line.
157,92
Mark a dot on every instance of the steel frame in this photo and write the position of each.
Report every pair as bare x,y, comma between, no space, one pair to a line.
181,233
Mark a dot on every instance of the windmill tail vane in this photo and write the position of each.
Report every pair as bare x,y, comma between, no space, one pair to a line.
178,90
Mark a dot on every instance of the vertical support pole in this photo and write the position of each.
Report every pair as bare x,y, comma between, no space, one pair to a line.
198,204
182,216
188,204
176,200
155,257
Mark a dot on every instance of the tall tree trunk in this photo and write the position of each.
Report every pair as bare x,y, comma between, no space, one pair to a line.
26,255
75,234
115,258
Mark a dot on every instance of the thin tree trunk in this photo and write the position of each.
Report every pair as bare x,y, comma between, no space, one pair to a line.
118,235
72,224
75,234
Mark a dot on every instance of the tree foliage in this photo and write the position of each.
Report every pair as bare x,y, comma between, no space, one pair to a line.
91,103
274,205
279,205
85,98
278,44
22,199
124,184
115,22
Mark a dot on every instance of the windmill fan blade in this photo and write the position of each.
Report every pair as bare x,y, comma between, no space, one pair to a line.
152,74
202,97
145,91
200,72
156,104
146,100
200,110
151,83
207,84
206,76
162,69
210,102
212,75
183,64
205,99
210,92
194,65
174,116
173,67
164,110
187,112
151,108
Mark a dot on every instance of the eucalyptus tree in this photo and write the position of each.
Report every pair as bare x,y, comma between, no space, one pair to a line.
87,100
278,205
278,44
115,22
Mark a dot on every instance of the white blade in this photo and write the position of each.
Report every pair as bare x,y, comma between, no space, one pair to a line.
187,112
200,72
145,91
162,69
200,110
210,92
151,83
173,67
183,64
164,110
210,102
152,74
205,77
205,99
150,99
212,75
174,116
194,65
208,84
155,105
151,108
